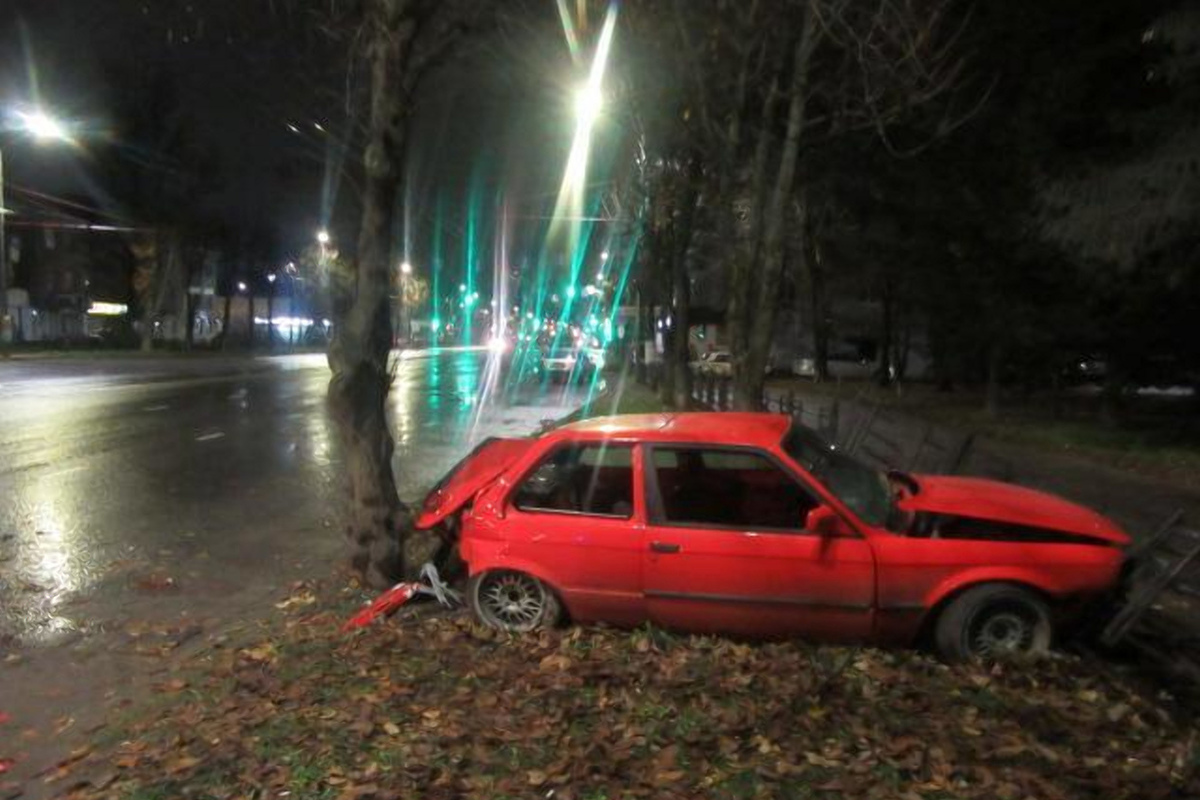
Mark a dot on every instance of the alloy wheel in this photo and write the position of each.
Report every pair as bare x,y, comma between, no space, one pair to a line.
512,601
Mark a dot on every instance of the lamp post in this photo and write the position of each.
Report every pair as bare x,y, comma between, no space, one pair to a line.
43,128
241,287
405,318
270,310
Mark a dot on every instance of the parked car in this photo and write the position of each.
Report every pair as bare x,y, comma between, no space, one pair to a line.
750,524
718,364
567,364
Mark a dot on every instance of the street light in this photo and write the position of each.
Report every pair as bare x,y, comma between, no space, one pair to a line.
589,102
323,237
405,318
270,310
241,286
43,128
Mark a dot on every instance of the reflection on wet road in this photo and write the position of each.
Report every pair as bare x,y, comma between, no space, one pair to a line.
214,468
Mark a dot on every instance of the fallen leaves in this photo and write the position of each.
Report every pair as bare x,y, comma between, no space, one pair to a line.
439,708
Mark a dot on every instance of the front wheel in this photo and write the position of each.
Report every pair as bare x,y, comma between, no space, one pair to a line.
994,621
513,601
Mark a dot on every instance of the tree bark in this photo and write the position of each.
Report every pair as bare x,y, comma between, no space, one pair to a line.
820,315
887,325
681,285
994,365
745,264
750,372
376,520
225,317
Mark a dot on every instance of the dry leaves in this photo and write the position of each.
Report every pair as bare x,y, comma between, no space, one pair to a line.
437,708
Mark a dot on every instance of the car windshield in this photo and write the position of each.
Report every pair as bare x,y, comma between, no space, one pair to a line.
864,490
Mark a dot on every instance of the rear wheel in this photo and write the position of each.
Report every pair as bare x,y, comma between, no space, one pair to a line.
994,621
513,601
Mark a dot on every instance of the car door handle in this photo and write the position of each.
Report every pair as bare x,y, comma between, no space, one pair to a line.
664,547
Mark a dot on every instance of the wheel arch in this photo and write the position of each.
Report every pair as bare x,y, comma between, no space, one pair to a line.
529,568
952,591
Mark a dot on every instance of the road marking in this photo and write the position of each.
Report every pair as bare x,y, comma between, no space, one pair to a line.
208,437
156,408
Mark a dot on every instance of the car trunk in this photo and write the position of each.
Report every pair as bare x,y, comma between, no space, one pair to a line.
482,466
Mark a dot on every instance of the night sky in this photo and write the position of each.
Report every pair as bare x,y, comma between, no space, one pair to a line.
247,84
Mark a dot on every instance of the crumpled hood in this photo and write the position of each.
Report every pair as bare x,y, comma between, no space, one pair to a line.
1003,502
482,466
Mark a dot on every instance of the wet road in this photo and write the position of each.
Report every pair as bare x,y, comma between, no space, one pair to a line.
127,484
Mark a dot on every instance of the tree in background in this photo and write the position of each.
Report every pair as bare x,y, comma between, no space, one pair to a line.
1127,208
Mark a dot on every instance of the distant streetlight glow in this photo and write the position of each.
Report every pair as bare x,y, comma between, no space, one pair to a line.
589,102
241,286
604,256
323,237
43,127
270,277
406,268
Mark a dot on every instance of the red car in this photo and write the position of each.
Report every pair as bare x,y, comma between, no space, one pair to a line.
750,524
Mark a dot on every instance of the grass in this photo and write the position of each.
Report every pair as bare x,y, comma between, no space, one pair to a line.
436,707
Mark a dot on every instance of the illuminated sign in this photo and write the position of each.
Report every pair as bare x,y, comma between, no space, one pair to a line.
101,309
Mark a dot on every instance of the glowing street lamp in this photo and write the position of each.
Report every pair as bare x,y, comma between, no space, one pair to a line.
43,128
241,286
323,237
406,268
589,102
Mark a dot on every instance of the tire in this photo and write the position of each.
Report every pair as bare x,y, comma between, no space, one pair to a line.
994,621
513,601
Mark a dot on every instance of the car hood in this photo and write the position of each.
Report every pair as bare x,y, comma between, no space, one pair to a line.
482,466
1003,502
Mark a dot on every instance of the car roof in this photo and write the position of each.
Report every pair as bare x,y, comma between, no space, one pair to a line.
699,427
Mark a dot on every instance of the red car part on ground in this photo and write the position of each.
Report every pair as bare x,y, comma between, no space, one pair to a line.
750,525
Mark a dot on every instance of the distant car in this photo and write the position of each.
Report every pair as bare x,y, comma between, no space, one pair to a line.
718,364
750,524
1085,369
567,364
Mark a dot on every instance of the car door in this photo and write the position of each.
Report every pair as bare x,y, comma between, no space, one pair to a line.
575,520
727,550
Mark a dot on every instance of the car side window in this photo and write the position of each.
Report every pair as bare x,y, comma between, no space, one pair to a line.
728,488
595,479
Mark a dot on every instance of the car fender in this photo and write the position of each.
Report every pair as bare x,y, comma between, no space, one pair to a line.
959,581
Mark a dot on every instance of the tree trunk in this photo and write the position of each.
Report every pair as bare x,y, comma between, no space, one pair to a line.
225,321
820,315
995,364
1111,393
883,373
745,263
376,520
681,285
750,374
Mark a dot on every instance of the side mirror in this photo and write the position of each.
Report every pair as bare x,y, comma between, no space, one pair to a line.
823,521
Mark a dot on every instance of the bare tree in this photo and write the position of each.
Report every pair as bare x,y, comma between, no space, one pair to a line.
402,40
851,65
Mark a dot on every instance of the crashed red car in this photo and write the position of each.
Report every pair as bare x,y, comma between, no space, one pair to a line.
750,524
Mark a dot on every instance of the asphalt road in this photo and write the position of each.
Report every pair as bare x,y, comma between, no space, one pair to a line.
191,480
